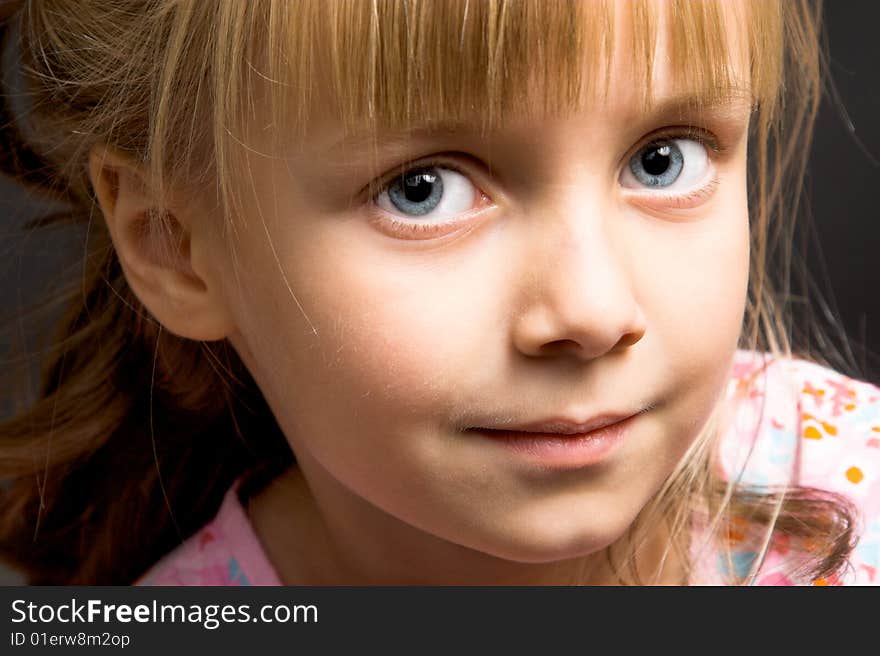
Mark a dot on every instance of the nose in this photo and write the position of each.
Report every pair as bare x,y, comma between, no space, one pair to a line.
577,294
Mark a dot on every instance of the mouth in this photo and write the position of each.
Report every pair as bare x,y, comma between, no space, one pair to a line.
562,425
562,443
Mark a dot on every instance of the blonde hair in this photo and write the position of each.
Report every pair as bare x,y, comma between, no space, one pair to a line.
177,85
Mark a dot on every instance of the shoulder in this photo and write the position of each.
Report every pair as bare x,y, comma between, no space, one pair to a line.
225,551
803,420
797,422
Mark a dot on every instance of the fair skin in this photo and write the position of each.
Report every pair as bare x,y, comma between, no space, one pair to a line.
564,288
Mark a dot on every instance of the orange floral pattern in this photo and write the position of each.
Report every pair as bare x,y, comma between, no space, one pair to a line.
795,422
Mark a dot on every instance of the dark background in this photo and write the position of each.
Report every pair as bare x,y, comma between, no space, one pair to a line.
843,182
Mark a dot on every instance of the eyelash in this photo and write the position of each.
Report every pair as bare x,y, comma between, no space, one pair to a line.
413,230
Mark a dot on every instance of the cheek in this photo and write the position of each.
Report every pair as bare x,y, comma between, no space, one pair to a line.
694,278
691,281
389,344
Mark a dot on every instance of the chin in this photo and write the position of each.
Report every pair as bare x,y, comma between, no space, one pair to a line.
554,541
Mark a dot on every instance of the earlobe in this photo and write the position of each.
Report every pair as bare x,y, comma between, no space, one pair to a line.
154,247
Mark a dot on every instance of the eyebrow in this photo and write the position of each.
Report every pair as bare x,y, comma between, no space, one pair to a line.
397,144
729,104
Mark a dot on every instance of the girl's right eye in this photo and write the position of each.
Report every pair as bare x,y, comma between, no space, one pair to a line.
433,192
426,201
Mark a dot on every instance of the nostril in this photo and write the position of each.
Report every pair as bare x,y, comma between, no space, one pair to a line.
560,345
629,339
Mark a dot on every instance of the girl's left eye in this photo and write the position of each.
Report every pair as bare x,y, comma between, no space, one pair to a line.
668,165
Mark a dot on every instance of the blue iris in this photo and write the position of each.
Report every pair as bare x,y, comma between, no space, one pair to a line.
417,191
658,164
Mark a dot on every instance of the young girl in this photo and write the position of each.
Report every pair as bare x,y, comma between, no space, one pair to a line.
410,292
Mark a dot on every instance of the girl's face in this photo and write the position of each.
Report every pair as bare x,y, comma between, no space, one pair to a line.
561,268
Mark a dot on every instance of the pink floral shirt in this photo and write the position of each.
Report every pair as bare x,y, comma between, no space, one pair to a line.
791,421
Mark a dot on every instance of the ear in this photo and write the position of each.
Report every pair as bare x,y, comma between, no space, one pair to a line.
155,246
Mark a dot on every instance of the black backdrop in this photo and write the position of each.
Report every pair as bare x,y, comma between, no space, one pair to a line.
844,181
841,247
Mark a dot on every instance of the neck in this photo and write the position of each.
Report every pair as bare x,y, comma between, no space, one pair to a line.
359,544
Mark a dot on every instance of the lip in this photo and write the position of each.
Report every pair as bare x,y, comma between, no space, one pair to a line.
561,443
566,426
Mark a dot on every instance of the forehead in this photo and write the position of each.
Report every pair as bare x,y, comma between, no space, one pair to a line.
374,68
